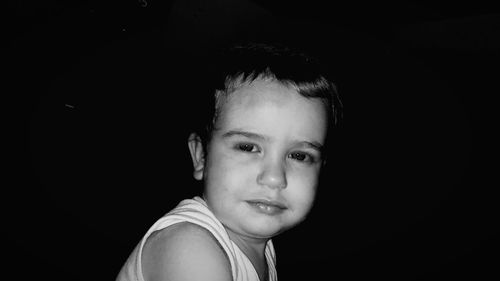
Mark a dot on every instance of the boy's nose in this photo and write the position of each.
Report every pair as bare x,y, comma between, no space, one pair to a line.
272,175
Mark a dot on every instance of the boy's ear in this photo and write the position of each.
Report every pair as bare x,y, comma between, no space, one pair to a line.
197,155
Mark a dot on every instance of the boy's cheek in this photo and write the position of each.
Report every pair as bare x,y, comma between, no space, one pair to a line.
237,161
224,153
303,185
233,169
305,173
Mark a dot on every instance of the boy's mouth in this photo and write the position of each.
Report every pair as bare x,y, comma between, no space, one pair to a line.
267,207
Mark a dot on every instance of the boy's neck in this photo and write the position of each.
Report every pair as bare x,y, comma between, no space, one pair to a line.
254,249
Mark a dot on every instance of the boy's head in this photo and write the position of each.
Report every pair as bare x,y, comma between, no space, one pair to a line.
242,64
262,152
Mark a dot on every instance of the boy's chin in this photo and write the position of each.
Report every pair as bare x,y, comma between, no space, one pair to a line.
267,231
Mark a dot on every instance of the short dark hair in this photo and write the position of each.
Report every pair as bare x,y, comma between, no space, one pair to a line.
244,63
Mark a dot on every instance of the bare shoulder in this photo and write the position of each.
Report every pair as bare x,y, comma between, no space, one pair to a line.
184,251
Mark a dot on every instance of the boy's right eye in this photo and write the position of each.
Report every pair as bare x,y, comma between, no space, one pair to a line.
247,147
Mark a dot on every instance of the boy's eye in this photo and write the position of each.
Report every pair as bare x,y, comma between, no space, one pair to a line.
302,157
247,147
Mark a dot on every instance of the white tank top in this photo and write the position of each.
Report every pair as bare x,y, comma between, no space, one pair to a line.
196,211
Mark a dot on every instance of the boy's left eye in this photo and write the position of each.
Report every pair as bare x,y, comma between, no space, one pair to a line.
302,157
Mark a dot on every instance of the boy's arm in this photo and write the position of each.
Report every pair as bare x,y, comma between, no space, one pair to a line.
182,252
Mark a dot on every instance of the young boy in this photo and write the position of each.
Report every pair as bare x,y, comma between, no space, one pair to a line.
259,160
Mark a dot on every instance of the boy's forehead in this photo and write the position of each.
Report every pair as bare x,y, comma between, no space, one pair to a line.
261,91
273,107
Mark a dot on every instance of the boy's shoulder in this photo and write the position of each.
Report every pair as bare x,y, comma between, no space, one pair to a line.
184,251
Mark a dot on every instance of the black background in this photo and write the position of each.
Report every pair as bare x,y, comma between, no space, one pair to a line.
101,97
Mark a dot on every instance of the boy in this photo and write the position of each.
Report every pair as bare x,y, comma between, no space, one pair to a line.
259,158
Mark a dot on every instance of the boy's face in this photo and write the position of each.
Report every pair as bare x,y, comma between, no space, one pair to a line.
264,159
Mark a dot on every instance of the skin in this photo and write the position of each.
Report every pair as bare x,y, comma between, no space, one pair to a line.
184,252
266,146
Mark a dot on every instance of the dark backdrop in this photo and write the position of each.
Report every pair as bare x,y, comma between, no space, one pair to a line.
101,97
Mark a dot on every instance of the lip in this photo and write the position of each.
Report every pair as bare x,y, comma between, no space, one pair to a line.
268,202
268,207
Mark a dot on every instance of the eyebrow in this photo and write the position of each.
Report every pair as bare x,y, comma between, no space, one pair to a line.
310,144
249,135
314,145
